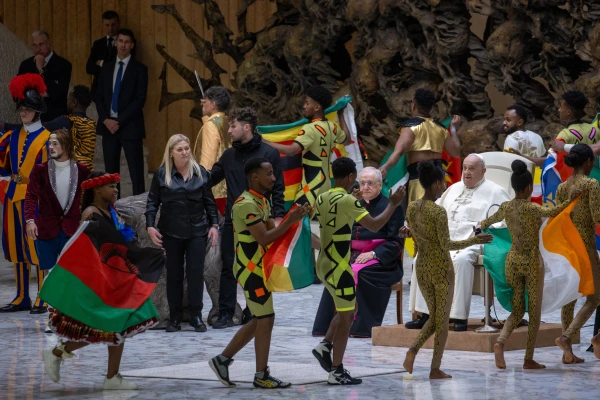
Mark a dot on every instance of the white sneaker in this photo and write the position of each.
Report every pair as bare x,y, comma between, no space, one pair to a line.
117,382
52,365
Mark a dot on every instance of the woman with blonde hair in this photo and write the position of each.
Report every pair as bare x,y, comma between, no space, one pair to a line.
188,220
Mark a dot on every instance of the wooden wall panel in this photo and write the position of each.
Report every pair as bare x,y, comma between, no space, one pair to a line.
74,24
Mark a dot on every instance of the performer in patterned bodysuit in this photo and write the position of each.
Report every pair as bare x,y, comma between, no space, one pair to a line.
20,150
337,211
523,267
254,229
428,224
585,217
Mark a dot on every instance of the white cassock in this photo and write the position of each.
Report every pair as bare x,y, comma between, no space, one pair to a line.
465,208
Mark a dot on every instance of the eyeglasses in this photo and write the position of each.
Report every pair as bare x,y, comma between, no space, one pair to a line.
368,183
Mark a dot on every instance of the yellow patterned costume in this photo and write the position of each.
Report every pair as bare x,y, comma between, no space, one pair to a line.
317,140
428,223
213,139
19,152
524,269
83,132
585,216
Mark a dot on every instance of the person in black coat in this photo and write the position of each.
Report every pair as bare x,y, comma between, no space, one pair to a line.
120,98
382,250
103,49
245,145
55,70
188,220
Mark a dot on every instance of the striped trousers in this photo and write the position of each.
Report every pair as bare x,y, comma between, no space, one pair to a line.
20,250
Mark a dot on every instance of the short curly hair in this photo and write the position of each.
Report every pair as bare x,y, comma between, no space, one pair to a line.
342,167
244,114
424,99
83,95
576,100
220,96
320,95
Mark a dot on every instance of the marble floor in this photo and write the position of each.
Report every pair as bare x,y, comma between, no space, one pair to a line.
474,374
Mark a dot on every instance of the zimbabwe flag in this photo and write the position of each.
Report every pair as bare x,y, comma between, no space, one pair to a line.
103,282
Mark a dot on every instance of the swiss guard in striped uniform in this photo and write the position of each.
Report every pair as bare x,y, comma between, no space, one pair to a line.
20,150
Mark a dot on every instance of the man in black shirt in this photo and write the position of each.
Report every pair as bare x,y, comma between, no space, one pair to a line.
246,144
104,48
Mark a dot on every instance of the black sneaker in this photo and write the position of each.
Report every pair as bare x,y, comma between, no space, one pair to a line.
264,380
220,365
340,376
225,321
323,354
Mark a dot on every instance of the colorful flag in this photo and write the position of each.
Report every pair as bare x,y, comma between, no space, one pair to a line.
292,249
567,267
289,261
104,282
555,172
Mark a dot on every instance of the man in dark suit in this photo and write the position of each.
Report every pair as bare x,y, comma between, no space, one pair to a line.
55,70
120,97
103,49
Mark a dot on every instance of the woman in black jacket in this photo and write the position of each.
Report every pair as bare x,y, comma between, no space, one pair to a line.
188,219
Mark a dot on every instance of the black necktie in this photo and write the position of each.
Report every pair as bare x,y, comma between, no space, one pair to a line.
109,46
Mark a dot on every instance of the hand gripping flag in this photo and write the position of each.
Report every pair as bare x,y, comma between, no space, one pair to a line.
289,262
104,282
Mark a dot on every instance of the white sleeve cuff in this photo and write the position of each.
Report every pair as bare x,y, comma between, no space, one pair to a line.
568,147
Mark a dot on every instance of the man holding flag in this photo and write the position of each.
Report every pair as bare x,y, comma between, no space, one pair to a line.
422,138
316,140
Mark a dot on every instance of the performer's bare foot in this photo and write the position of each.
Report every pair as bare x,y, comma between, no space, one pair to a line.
530,364
438,374
596,344
499,355
565,345
410,360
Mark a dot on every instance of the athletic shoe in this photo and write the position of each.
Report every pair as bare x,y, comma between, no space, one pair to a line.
117,382
220,366
340,376
52,365
264,380
323,354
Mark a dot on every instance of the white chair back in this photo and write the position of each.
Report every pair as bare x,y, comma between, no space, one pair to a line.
498,168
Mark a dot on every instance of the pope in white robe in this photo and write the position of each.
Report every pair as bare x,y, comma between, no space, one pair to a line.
467,203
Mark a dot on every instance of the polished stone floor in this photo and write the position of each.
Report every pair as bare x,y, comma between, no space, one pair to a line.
474,374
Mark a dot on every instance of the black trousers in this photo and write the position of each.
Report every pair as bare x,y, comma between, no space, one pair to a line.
134,153
228,283
193,252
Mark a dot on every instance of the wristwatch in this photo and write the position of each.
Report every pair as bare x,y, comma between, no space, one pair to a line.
374,255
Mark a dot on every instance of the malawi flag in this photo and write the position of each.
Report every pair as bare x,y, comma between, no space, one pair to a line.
104,282
398,176
289,263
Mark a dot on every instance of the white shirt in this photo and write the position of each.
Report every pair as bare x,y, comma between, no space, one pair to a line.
528,143
36,126
62,171
116,70
48,58
459,224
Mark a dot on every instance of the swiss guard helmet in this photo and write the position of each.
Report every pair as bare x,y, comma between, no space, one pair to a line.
27,90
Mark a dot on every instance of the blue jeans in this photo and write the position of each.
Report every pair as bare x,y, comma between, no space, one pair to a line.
49,250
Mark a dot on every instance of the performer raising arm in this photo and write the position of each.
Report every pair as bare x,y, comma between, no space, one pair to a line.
523,267
585,216
428,224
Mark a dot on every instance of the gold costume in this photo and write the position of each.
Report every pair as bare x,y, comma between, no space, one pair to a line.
585,216
213,139
428,223
430,135
524,270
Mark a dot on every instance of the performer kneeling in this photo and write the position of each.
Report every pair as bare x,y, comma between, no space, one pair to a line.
101,282
428,225
524,268
254,229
